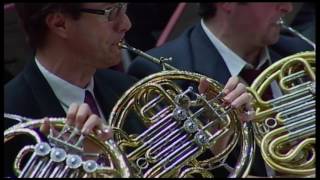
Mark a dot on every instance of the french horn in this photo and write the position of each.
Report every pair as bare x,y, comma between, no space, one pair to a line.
284,126
179,127
62,155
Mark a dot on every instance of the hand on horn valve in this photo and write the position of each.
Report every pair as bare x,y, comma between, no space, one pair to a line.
236,95
84,122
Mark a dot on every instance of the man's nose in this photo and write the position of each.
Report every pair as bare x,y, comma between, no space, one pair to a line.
124,24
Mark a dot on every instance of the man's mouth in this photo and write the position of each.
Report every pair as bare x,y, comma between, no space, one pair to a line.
117,43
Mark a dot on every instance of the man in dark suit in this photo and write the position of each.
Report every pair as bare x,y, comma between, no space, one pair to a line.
69,58
230,39
73,48
194,51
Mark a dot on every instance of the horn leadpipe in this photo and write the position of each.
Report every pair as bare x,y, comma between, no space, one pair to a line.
147,56
296,33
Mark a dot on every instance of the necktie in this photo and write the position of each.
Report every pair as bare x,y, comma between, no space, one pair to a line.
91,102
249,75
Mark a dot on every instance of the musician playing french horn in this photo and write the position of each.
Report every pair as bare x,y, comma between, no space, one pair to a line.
231,39
74,43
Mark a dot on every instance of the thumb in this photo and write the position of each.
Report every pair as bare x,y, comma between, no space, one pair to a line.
45,127
105,133
203,85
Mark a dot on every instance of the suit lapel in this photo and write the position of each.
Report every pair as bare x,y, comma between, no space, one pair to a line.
48,103
207,60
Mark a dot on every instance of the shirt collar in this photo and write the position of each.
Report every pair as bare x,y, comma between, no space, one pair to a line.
233,61
66,92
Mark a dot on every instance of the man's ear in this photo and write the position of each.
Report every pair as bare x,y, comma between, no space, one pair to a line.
57,23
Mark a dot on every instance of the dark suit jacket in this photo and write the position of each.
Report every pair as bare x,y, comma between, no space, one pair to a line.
30,95
193,51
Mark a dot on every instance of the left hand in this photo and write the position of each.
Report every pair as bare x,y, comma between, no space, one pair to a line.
85,122
236,96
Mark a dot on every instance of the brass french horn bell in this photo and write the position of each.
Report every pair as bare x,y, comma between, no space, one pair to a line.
284,126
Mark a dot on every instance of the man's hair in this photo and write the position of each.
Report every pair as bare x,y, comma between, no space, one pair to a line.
207,10
33,18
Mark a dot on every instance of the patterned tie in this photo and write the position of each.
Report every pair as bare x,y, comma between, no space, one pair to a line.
91,102
249,75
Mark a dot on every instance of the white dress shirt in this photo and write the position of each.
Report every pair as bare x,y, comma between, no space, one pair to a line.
66,92
235,63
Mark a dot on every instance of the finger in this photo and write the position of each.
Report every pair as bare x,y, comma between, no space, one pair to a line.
71,114
231,84
54,131
243,99
233,94
93,122
106,133
45,127
203,85
248,104
83,113
247,116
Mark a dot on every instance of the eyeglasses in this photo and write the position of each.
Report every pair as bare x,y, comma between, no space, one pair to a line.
111,13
